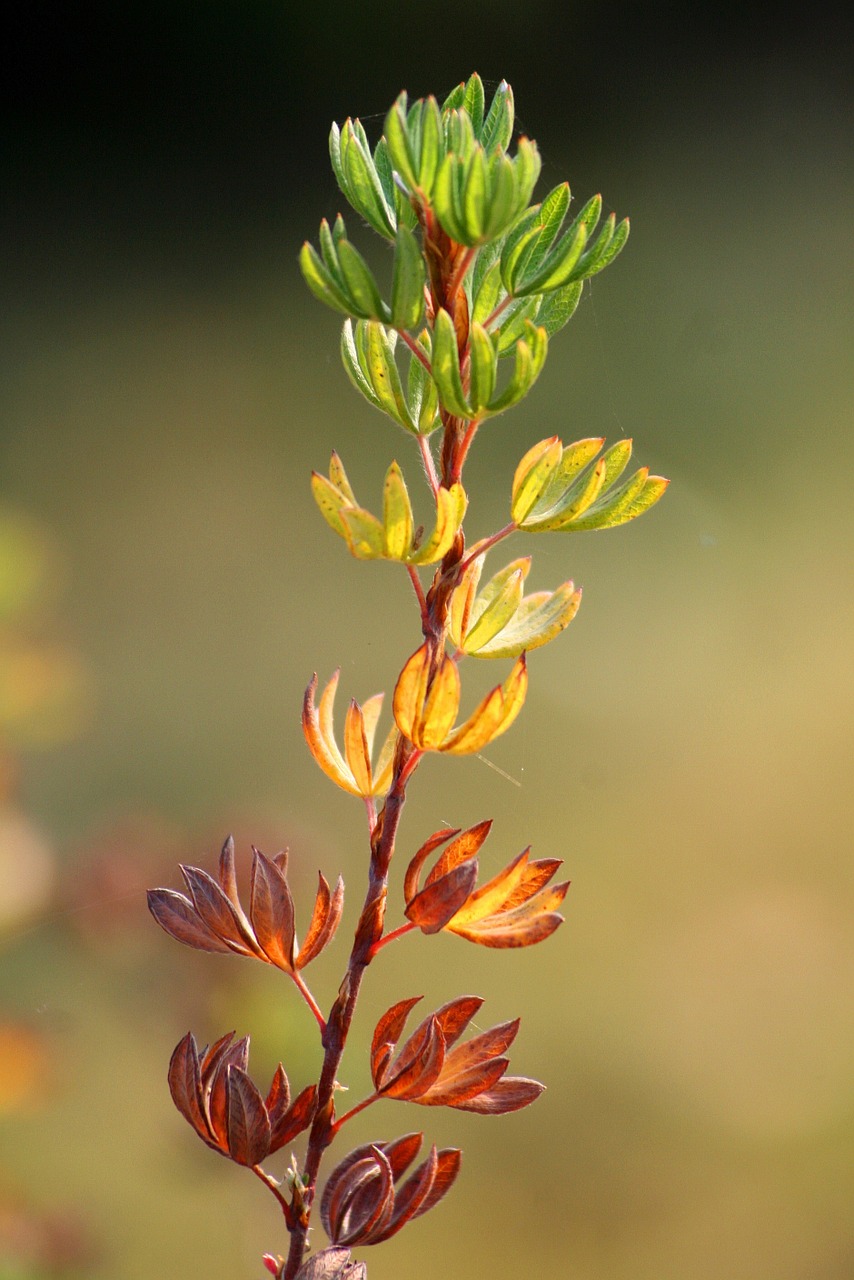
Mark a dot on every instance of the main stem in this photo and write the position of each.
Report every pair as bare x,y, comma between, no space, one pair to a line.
447,263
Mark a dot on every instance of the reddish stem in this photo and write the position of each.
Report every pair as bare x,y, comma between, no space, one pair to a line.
483,546
429,464
393,936
419,590
310,1000
418,352
354,1111
459,275
272,1186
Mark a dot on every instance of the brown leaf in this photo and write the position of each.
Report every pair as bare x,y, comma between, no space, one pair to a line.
285,1127
217,912
466,846
418,1065
271,910
439,902
448,1166
177,915
409,1197
455,1016
358,1197
215,1065
410,883
454,1088
510,1094
279,1097
248,1123
332,1264
185,1086
324,921
387,1033
401,1152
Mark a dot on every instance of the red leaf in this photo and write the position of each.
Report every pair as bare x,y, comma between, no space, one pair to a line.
248,1124
217,912
177,915
458,1087
401,1152
299,1116
510,1094
279,1098
455,1016
271,910
409,1197
185,1086
387,1032
418,1065
439,902
466,846
325,919
410,882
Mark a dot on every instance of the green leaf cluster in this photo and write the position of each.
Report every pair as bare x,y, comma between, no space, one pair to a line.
441,181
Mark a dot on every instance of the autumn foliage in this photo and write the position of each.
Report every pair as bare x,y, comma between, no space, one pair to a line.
481,281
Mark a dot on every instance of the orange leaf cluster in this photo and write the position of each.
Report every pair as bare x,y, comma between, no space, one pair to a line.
214,1094
428,1070
516,908
353,771
212,918
361,1204
426,703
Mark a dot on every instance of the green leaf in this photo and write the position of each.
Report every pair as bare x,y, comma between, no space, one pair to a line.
608,253
498,126
446,366
474,103
531,353
526,170
430,151
639,493
485,286
320,282
352,360
364,189
558,307
533,476
365,534
360,284
397,141
422,395
558,267
330,501
455,98
539,618
483,369
408,280
397,514
495,605
513,321
381,369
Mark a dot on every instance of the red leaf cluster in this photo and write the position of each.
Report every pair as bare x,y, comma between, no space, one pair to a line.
361,1204
332,1264
516,908
214,1094
428,1070
212,918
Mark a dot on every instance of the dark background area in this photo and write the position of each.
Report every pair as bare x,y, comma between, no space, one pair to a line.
166,589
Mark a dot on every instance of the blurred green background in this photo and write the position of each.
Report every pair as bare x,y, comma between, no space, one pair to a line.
167,590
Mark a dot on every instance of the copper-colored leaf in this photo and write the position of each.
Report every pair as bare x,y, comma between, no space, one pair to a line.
185,1085
433,907
509,1094
400,1152
216,911
358,1197
419,1064
325,919
409,1197
285,1127
387,1032
177,915
447,1168
271,910
411,880
466,846
455,1016
460,1085
215,1066
279,1097
332,1264
248,1123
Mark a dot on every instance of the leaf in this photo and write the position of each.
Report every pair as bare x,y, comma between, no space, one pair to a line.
177,915
445,365
248,1123
388,1029
493,716
397,515
285,1127
185,1086
408,280
510,1094
325,919
216,911
434,906
271,910
331,1264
